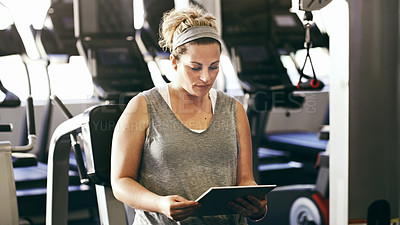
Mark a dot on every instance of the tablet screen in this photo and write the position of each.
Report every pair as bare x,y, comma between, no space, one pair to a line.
215,199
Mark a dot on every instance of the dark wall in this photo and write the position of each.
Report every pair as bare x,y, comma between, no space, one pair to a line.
373,105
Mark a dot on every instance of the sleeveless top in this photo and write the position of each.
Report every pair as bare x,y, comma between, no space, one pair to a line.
178,161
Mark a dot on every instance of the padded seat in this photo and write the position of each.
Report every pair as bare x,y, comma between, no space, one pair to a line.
289,158
31,191
97,125
81,200
277,168
298,144
36,177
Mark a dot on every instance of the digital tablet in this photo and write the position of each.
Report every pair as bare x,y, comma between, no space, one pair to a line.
214,200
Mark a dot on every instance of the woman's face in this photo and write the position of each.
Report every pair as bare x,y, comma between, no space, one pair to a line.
198,68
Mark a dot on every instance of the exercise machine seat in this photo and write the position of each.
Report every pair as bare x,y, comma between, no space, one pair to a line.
302,145
97,131
96,124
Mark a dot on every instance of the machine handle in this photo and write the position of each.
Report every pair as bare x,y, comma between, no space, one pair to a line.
6,127
311,84
66,112
30,116
30,120
76,147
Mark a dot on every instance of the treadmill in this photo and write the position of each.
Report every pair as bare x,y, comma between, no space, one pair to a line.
106,39
30,175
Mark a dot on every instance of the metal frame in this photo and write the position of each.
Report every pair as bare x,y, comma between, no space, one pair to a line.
57,172
111,211
8,196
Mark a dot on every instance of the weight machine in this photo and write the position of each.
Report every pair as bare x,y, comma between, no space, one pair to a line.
11,44
9,207
25,179
304,204
257,35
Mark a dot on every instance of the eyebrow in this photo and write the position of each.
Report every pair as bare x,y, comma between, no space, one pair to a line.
202,64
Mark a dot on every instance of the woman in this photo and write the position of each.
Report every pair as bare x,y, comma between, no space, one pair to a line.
172,143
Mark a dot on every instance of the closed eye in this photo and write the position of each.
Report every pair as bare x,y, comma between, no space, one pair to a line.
214,66
196,68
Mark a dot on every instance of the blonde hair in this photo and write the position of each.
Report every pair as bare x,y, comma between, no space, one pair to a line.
177,21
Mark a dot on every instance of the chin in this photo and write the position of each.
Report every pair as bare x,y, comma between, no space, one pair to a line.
201,90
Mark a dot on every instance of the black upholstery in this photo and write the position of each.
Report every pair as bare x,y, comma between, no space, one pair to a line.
96,124
11,100
306,143
11,42
97,133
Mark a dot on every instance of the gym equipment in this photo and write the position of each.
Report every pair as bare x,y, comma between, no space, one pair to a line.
147,37
302,203
8,195
308,204
277,90
10,99
58,39
247,32
9,207
11,44
28,175
96,126
257,35
54,42
106,39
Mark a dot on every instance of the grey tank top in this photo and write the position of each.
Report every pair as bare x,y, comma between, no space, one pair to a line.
178,161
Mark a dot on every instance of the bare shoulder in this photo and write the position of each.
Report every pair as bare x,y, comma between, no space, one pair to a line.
137,104
240,111
135,114
241,117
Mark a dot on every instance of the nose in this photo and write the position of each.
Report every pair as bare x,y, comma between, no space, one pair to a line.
205,76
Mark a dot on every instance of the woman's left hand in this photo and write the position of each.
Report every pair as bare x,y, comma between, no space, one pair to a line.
251,207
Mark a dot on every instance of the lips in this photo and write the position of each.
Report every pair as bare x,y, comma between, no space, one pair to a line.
203,86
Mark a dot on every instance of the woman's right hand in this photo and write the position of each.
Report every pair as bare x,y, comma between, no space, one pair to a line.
178,208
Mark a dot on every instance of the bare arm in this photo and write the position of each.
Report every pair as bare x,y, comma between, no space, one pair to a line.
127,145
245,162
128,140
251,206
